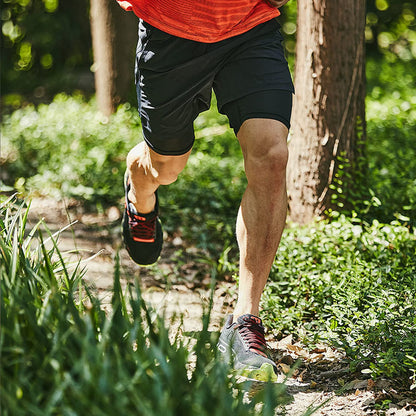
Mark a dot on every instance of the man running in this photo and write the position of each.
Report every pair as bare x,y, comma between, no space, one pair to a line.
186,49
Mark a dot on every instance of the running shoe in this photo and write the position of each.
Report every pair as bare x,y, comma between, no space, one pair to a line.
142,233
242,345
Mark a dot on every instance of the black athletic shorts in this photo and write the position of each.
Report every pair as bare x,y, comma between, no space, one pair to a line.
175,78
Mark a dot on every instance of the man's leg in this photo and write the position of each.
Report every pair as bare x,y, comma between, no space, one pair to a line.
260,223
262,215
148,170
142,229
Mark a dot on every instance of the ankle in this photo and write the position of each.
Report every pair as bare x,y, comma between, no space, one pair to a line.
144,204
240,311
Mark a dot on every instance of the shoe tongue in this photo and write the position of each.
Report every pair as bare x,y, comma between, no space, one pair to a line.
252,319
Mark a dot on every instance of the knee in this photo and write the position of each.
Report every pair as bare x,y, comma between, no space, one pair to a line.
276,158
138,158
267,164
164,170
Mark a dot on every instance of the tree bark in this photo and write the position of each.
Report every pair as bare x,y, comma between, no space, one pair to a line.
329,108
114,36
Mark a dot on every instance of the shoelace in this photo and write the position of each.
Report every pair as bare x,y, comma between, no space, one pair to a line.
142,228
253,335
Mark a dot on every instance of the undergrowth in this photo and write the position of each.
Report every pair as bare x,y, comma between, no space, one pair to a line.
66,149
62,354
352,285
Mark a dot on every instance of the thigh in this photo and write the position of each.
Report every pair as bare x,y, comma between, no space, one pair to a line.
267,104
173,86
257,65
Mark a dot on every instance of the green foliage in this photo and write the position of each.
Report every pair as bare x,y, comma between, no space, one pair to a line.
62,354
381,183
391,29
349,281
352,284
47,43
46,48
68,149
391,129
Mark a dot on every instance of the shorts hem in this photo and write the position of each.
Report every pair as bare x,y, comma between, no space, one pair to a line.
169,152
269,116
287,88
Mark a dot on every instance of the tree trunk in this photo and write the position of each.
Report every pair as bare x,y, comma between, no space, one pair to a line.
329,108
114,36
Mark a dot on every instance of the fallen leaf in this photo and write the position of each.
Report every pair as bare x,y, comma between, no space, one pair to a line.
300,377
319,349
285,341
316,357
298,350
285,368
359,384
293,348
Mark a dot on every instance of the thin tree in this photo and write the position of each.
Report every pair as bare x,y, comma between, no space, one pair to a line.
329,110
114,35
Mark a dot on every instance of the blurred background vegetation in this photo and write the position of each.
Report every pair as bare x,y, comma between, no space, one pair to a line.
47,44
46,49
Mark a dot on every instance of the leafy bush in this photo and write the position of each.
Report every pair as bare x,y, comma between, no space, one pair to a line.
61,353
351,280
69,149
391,130
352,284
390,29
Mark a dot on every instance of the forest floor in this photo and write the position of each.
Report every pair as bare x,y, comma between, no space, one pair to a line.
179,286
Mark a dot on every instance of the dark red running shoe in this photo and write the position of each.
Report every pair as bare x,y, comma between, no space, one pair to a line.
242,345
142,233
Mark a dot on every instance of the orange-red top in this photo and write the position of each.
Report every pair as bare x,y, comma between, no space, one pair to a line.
202,20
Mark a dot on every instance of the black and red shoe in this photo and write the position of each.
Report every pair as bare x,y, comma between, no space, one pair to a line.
243,346
142,233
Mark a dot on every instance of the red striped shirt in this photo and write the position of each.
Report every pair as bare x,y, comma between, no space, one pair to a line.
202,20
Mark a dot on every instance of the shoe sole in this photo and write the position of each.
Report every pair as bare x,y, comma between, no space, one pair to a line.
264,373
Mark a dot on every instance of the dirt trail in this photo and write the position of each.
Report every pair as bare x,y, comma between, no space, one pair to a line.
184,289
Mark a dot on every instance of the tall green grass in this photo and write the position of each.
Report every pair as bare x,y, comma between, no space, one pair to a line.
61,354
